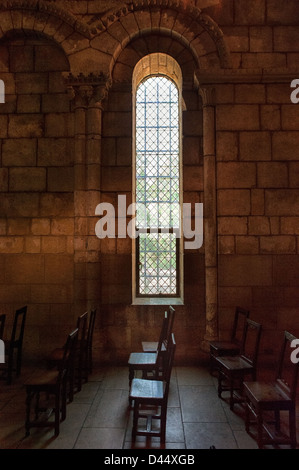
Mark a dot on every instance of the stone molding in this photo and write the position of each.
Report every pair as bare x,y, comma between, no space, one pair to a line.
43,7
194,14
44,11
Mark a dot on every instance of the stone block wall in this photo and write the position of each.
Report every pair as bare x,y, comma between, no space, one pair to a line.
257,197
37,203
61,157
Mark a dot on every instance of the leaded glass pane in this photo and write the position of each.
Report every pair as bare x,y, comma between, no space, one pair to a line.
158,270
157,183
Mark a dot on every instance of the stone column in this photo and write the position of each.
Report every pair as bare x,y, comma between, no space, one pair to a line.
87,93
210,215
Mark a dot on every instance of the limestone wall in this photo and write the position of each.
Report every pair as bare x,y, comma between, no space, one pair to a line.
66,146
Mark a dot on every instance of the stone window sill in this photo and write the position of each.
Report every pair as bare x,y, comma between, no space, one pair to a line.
158,301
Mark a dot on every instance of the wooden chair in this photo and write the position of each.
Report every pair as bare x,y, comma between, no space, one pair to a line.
51,383
2,325
150,364
266,398
75,373
152,346
14,346
232,370
150,399
232,346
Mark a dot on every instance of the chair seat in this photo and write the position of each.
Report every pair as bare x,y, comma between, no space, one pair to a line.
266,394
142,359
234,363
147,389
227,346
47,378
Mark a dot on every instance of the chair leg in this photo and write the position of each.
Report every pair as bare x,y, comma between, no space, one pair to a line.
90,364
29,397
219,384
292,425
135,419
259,429
57,414
277,420
163,424
63,400
70,379
36,409
9,367
131,376
79,375
247,416
231,390
85,367
19,362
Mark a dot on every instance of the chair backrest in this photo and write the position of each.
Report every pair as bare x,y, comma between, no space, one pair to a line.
171,347
17,333
68,354
238,331
163,333
91,327
171,313
287,371
251,343
168,327
82,326
2,324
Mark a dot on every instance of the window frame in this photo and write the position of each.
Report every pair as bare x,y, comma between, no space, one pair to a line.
138,297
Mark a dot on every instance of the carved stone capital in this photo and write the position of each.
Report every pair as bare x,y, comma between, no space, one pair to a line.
207,93
87,90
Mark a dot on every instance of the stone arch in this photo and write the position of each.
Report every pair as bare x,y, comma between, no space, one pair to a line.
39,16
145,44
165,18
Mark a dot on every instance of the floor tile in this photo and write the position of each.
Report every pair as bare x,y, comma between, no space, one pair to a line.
200,403
111,410
100,438
100,416
204,435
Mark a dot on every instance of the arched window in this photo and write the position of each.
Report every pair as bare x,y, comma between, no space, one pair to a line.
157,188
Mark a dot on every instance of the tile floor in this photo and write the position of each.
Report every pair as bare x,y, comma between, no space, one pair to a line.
99,416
